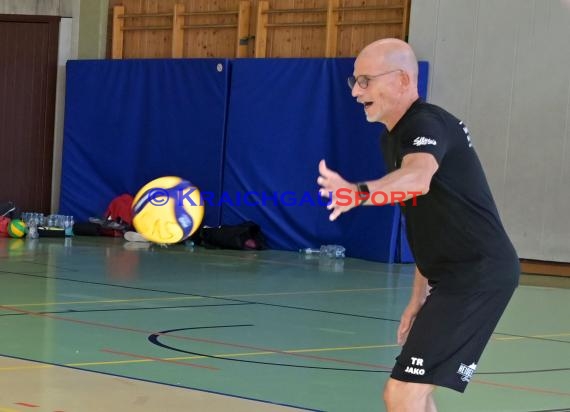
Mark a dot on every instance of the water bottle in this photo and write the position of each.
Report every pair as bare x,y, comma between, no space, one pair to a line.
310,251
333,251
68,225
330,251
33,229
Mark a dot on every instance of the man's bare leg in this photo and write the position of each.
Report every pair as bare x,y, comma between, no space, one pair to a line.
408,397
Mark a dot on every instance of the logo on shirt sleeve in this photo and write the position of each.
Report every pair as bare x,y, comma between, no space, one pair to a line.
424,141
467,135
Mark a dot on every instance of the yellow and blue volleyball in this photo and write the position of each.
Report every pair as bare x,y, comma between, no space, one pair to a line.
17,228
167,210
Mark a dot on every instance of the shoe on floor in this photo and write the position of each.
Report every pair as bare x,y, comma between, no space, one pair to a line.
135,237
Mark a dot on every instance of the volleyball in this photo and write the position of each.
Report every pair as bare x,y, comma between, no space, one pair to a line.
17,228
167,210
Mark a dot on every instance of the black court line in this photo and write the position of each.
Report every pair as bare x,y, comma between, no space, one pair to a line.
200,296
31,262
241,301
259,303
154,339
211,327
163,383
186,338
552,410
125,309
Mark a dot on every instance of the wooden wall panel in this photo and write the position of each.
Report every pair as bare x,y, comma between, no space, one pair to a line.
154,43
307,39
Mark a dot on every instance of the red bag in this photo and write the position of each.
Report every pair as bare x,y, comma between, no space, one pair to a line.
118,217
119,210
4,222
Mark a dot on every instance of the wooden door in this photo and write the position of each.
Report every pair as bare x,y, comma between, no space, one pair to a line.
28,75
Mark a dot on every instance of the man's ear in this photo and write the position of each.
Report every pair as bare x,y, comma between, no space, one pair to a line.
405,78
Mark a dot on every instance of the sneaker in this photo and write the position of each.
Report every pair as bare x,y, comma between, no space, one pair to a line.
135,237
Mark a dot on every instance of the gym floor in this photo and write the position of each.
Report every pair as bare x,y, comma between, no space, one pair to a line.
100,324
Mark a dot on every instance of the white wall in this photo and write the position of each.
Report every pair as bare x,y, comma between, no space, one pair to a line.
65,53
503,66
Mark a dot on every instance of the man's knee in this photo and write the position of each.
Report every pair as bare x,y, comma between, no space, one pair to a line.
393,390
403,396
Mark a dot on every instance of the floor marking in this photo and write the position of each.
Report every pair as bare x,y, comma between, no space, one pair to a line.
132,308
27,405
521,388
310,292
87,302
553,335
187,338
151,358
197,295
232,355
235,355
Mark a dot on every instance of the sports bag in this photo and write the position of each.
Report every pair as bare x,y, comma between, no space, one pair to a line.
244,236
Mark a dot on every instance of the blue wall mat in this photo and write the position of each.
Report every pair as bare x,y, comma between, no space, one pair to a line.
284,116
423,77
128,122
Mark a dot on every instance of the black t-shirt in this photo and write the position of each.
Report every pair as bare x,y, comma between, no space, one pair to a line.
454,231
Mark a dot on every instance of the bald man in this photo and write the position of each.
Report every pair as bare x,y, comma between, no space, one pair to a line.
466,266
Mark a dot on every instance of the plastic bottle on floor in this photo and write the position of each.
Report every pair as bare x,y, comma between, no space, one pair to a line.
331,251
33,229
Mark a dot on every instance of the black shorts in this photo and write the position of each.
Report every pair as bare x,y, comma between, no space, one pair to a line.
449,335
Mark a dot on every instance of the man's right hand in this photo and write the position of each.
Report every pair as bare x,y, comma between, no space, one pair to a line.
406,322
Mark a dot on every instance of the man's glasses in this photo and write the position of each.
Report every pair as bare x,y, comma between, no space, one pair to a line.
363,79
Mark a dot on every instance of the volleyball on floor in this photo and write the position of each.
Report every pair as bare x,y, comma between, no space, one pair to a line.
17,228
167,210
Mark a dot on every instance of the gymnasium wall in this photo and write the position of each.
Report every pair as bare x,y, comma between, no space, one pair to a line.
503,67
249,132
295,28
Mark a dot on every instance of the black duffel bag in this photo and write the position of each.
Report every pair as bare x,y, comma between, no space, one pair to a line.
245,236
